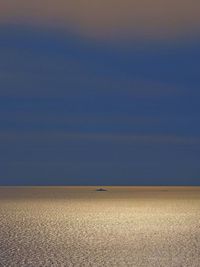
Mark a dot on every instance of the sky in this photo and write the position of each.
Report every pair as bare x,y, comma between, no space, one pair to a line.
99,92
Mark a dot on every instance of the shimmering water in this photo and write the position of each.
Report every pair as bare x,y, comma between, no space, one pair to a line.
124,226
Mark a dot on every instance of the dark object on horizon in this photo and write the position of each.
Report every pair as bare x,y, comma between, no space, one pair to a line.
101,189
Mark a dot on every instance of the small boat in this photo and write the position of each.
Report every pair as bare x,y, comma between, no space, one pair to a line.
101,189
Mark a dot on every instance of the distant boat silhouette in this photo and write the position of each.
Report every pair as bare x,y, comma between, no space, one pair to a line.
101,189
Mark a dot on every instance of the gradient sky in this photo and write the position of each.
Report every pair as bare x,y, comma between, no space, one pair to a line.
99,92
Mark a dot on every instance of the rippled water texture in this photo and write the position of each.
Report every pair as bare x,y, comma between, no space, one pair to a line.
124,226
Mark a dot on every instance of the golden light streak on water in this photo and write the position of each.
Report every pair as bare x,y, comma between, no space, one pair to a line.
125,226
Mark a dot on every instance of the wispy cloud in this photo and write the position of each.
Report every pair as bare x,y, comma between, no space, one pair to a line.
59,137
22,83
38,64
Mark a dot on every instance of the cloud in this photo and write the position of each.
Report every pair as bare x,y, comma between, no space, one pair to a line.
42,64
62,136
108,18
27,84
33,72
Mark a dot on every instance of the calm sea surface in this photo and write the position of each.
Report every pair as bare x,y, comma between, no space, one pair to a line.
77,226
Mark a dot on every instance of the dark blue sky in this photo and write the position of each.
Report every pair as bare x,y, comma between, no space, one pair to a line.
82,111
